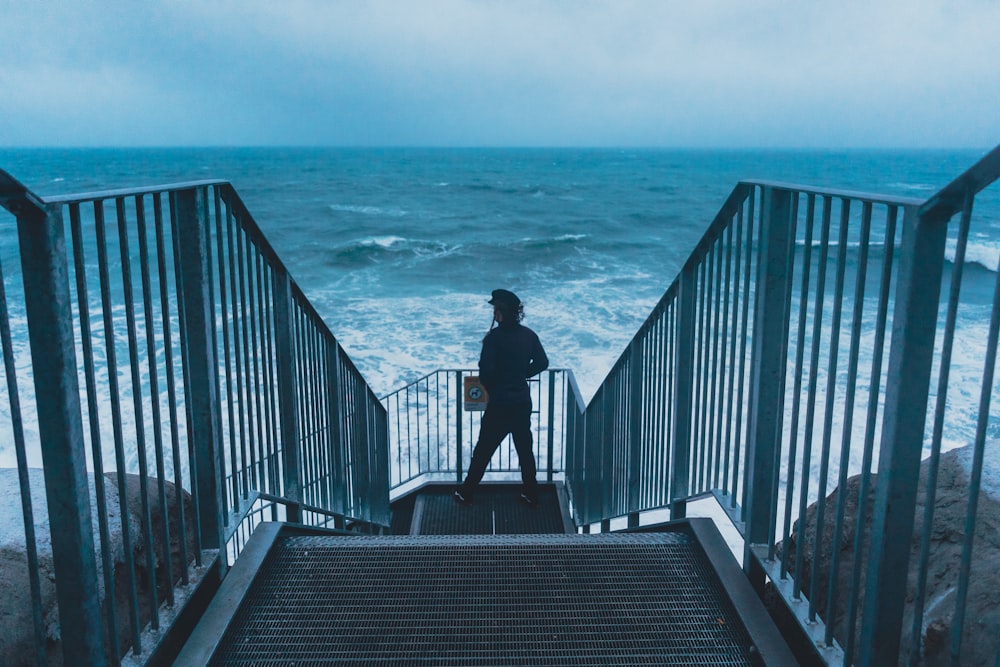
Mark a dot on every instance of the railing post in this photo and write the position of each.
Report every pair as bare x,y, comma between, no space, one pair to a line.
911,354
191,208
459,412
287,394
767,369
680,483
60,425
336,431
634,429
551,427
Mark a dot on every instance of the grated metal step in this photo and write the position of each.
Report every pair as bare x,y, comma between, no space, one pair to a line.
615,599
496,510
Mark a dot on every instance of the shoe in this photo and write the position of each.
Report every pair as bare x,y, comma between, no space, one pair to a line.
528,500
460,498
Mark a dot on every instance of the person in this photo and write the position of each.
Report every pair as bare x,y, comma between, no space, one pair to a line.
510,355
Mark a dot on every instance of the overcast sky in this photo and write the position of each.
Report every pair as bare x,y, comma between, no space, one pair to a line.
921,73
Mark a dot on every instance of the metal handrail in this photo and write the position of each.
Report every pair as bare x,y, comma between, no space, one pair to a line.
431,436
730,387
210,383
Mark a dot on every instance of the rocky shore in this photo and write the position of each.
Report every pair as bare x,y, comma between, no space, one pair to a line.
982,615
17,638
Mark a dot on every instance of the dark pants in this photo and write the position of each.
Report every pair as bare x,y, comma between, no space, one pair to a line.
498,421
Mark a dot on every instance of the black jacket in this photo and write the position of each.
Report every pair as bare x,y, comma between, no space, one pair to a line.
510,355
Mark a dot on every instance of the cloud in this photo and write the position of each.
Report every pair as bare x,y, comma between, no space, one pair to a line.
458,72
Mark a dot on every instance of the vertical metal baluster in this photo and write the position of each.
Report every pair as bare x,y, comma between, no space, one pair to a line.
748,264
169,372
284,326
116,420
747,268
907,388
334,411
247,411
320,498
852,379
253,285
232,232
31,543
274,424
655,482
713,433
783,376
551,427
234,463
982,426
670,383
648,451
736,360
218,453
807,443
435,423
831,390
93,416
138,410
458,427
307,434
724,386
399,439
154,393
635,396
409,438
683,431
607,472
265,298
309,399
319,364
874,391
939,413
302,399
423,453
351,432
326,460
800,348
361,442
701,403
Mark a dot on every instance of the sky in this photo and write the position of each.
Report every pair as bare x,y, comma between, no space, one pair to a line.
656,73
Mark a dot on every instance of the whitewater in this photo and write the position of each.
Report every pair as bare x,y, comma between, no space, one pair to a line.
399,249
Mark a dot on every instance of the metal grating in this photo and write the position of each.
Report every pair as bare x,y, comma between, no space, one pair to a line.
617,599
496,511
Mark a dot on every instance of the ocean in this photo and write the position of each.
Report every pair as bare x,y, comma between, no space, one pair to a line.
398,249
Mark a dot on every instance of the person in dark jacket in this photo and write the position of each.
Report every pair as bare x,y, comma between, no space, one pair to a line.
511,354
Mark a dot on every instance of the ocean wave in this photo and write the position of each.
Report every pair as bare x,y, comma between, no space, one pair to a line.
917,187
983,254
986,255
378,249
369,210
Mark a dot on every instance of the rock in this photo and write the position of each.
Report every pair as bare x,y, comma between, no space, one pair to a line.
16,605
982,614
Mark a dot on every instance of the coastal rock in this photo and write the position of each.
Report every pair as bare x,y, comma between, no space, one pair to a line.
982,614
16,605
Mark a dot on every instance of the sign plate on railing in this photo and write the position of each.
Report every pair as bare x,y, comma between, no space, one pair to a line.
474,394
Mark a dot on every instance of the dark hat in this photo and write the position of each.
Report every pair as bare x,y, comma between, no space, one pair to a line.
502,297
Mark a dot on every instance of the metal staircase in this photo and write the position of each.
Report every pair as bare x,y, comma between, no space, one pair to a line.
668,595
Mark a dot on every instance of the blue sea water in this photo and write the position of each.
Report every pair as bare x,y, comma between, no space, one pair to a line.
398,249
